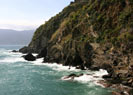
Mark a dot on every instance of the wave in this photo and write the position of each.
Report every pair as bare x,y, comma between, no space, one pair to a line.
6,56
54,66
12,60
93,76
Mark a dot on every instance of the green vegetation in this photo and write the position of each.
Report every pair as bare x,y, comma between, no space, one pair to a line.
100,21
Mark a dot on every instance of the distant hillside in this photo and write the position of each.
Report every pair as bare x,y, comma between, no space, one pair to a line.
13,37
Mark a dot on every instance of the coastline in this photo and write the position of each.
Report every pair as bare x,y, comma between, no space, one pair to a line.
99,80
85,36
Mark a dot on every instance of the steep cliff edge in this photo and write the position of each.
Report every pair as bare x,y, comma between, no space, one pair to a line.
94,34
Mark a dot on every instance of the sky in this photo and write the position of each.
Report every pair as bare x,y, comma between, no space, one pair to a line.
28,14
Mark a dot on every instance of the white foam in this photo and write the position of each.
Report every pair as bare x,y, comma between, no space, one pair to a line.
11,57
54,66
9,53
35,54
38,61
101,72
12,60
93,77
85,78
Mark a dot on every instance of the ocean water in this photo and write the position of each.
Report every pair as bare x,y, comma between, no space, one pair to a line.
20,77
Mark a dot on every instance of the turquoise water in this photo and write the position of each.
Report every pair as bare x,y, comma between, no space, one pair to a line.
19,77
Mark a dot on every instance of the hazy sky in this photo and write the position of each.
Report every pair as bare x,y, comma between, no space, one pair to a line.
28,14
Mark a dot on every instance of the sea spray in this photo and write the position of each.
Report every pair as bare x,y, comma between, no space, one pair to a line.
21,77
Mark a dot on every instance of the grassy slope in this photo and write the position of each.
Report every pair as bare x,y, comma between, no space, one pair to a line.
98,21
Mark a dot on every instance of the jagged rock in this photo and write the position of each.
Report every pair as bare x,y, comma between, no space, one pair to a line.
29,57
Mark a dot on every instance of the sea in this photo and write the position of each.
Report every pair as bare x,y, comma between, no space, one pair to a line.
21,77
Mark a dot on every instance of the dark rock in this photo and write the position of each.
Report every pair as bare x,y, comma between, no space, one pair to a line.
71,75
131,92
43,53
68,61
77,60
106,76
29,57
46,59
15,51
49,59
94,67
26,50
115,63
106,66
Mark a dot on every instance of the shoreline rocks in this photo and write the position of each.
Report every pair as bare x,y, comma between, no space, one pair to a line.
117,89
15,51
29,57
112,80
72,76
26,49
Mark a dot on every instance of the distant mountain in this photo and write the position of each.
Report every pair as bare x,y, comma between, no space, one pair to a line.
14,37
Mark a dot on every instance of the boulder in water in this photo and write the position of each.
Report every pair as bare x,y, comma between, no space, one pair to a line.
14,51
29,57
71,76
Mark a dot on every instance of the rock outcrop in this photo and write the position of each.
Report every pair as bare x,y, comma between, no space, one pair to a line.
29,57
14,51
27,50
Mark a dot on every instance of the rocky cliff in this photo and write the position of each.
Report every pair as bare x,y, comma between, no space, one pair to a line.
94,34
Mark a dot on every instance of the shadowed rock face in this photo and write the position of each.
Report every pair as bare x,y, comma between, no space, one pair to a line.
96,35
42,53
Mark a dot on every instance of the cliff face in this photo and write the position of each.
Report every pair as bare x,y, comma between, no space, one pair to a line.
94,34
